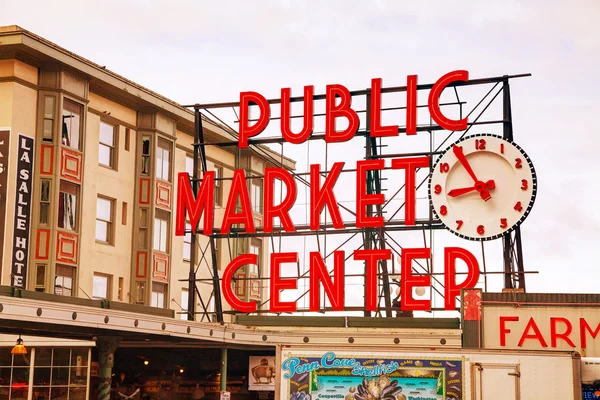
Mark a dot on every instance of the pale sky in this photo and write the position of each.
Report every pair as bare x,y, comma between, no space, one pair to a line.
204,52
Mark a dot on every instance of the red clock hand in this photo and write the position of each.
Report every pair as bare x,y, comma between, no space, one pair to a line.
458,152
458,192
479,186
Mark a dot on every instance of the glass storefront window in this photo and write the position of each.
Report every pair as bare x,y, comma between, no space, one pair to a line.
58,373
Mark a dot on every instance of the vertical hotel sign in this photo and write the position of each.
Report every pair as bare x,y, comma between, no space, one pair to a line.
4,146
23,211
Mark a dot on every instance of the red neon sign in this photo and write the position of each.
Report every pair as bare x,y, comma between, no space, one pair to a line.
338,101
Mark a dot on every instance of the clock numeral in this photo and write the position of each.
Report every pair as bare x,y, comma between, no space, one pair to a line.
503,223
480,144
524,184
458,224
518,163
443,210
437,189
502,148
518,206
481,229
444,167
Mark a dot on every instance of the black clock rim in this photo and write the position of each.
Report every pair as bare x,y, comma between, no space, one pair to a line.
527,210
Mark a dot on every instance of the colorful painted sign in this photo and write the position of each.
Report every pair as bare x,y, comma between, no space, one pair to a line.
358,377
261,374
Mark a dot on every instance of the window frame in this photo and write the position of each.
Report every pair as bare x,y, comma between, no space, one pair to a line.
108,286
63,186
163,292
163,147
257,206
186,236
158,214
81,114
113,150
60,272
218,190
184,304
110,225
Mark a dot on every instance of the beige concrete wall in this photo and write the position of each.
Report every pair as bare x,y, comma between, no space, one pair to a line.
116,110
114,260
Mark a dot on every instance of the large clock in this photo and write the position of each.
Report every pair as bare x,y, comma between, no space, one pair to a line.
482,187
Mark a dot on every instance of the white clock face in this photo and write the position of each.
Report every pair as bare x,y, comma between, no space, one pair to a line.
482,187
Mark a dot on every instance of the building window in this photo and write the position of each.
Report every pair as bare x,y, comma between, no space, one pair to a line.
145,155
44,201
163,160
143,229
218,186
187,242
48,135
120,294
71,124
127,138
40,278
102,286
104,220
107,146
184,303
67,206
218,253
64,280
256,248
189,165
256,194
140,292
159,292
161,231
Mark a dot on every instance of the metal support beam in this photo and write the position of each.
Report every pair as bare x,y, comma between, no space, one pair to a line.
514,276
223,380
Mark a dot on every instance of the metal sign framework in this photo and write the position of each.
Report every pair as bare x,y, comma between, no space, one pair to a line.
372,238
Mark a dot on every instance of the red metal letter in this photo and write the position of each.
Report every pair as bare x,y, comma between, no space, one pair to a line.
278,284
376,129
434,99
228,294
410,165
286,130
565,335
362,198
203,203
319,273
342,110
321,196
583,327
281,210
504,330
409,281
536,334
451,289
247,131
238,188
371,258
411,105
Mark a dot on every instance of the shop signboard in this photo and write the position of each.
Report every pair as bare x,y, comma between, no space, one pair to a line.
262,373
20,249
459,195
542,328
366,376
